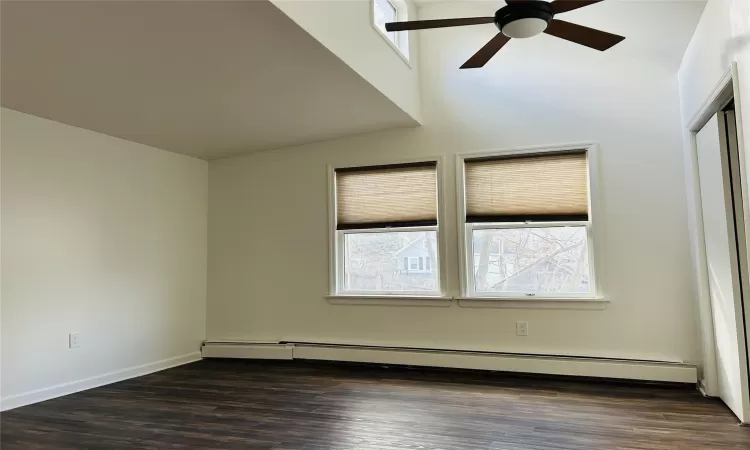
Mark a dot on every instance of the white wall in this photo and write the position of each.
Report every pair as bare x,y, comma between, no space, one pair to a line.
721,38
268,223
103,237
345,28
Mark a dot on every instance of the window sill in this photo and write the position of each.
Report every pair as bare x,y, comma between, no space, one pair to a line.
390,300
596,303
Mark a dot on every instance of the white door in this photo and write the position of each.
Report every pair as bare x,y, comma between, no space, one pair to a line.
722,257
732,145
730,142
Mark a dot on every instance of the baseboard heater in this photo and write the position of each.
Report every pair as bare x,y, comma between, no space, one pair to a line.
502,362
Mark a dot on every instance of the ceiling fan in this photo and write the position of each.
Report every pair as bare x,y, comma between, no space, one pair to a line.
522,19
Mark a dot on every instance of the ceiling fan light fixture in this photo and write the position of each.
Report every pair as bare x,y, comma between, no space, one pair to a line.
521,19
524,19
525,28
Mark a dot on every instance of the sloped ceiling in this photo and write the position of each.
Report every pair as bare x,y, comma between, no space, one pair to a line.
208,79
656,30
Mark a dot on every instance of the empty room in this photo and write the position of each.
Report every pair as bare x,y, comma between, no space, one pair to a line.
375,224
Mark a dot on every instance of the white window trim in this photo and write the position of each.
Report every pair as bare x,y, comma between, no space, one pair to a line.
402,37
336,240
466,256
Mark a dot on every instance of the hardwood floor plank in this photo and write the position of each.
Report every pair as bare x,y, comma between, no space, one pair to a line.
294,405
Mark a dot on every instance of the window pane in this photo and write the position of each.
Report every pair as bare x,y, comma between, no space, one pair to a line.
531,260
371,262
385,12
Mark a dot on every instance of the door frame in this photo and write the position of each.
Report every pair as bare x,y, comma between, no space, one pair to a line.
727,88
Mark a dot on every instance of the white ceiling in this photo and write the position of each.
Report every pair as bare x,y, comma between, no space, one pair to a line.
655,30
217,78
208,79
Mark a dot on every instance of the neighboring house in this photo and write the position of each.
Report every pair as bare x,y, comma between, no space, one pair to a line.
415,257
408,268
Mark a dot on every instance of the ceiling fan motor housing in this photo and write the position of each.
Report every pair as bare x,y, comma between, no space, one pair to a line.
524,19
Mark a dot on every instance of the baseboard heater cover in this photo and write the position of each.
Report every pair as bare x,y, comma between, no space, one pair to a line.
249,350
500,362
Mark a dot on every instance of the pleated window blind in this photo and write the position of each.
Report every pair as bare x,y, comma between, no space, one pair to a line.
403,195
520,188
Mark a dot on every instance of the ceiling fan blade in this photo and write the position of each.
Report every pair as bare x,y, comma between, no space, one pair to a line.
599,40
439,23
486,53
562,6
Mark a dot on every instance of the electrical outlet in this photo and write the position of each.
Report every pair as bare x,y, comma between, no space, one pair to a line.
522,328
74,340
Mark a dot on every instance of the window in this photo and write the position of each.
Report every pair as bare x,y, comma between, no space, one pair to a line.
385,11
386,230
528,225
420,263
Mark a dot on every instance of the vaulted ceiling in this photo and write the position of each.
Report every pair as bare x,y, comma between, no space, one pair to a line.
217,78
208,79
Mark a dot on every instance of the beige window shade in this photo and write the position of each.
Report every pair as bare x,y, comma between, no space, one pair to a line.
386,196
527,188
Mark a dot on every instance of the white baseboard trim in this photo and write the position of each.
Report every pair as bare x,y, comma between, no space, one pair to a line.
48,393
501,362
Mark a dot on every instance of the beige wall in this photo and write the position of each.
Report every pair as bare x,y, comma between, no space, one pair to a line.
102,237
268,222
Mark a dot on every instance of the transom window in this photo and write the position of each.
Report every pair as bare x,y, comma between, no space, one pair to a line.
385,11
528,225
386,230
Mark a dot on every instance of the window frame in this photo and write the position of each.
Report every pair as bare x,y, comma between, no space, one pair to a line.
337,238
466,251
402,44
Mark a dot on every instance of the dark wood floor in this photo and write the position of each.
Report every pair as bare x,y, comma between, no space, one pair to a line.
313,406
